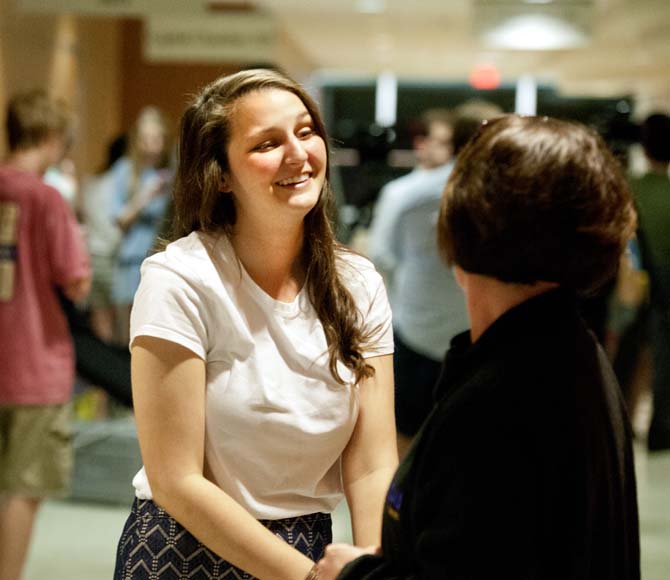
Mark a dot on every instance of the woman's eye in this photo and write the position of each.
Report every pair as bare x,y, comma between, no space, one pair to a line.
264,146
306,132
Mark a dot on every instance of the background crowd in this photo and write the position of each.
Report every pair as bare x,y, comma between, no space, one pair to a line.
102,227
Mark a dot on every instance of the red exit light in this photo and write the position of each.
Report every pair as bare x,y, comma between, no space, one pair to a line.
484,76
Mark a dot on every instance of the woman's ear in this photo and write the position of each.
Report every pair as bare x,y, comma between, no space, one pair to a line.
224,187
459,274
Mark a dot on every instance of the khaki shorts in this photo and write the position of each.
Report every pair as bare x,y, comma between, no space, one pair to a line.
36,450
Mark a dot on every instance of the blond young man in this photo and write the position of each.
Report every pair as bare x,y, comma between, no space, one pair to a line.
41,253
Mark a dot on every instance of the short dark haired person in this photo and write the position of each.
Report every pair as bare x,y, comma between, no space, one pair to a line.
525,467
652,199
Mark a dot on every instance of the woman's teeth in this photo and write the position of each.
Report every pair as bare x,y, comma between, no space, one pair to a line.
293,180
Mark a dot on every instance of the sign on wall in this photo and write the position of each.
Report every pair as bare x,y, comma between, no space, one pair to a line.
239,38
112,7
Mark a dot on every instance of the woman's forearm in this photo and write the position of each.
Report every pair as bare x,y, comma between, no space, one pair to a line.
140,202
366,498
371,457
128,216
227,529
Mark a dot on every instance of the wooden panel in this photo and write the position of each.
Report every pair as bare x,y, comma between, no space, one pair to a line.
100,74
165,85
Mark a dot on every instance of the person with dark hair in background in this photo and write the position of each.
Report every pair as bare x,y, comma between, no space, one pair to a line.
525,467
428,307
41,253
103,236
469,117
652,198
261,353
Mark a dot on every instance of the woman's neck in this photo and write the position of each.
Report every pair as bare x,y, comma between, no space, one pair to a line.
487,298
273,259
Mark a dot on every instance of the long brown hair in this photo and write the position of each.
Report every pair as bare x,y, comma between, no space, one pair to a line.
199,205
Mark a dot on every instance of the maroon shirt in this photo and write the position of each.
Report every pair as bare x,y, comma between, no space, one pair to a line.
41,248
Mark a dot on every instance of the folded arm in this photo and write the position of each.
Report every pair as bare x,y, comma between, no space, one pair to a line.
169,400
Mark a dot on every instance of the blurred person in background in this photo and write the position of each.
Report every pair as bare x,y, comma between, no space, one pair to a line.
103,237
652,197
101,361
401,243
41,253
63,177
261,352
428,306
141,182
525,467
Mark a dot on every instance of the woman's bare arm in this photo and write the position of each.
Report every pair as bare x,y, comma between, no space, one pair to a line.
169,401
371,456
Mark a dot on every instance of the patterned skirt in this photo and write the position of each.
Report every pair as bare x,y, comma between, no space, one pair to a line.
154,546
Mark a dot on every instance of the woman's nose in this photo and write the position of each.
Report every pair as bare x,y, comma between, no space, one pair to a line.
295,151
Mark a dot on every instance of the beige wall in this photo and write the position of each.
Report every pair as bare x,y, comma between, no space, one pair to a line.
99,89
75,58
97,65
170,85
165,85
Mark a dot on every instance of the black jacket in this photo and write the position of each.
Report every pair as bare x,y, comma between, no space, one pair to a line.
524,470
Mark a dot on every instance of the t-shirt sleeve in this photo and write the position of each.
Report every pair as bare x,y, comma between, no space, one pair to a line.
169,305
378,320
368,290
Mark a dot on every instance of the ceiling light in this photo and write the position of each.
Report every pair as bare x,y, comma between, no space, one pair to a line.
534,32
371,6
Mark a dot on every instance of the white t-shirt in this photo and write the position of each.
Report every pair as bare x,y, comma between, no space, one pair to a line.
276,419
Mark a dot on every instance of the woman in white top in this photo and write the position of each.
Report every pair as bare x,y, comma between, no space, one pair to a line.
261,353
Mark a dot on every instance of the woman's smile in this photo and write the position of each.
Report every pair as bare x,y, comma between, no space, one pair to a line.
277,160
295,182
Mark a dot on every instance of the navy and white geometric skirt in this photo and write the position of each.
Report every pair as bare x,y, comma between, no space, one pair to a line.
154,546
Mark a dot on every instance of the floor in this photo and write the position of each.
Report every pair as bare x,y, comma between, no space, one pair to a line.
77,540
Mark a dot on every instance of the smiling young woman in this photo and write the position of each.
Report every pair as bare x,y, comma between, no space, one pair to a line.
277,162
262,375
